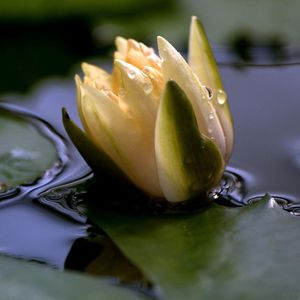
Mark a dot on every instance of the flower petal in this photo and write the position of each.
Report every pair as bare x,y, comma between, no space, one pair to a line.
140,55
188,162
96,77
104,121
175,68
92,153
121,138
121,44
203,63
157,80
136,90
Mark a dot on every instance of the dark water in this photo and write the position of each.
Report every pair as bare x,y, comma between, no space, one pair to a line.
46,222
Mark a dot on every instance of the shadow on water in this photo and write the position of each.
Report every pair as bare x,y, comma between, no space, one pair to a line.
53,227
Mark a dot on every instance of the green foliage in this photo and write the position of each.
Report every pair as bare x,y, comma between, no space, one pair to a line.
26,154
22,280
220,253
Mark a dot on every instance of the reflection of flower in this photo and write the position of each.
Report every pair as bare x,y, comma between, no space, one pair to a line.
163,123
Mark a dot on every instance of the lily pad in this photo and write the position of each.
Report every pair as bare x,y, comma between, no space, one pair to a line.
220,253
47,284
26,153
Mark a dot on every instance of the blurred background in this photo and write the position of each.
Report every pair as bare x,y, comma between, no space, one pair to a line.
44,39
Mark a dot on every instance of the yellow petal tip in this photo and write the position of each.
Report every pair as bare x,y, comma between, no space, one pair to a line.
78,80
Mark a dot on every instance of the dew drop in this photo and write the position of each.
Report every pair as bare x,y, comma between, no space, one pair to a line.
144,74
105,89
209,92
122,92
148,88
211,116
131,74
221,97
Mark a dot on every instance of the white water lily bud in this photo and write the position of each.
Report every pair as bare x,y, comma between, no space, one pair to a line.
162,123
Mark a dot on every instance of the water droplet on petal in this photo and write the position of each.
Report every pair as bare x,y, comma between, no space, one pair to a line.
148,88
209,92
131,74
221,97
122,92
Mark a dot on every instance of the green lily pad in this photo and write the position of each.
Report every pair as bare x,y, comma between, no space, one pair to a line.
47,284
220,253
26,154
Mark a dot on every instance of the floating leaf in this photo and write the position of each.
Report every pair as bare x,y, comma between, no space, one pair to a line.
45,283
26,153
220,253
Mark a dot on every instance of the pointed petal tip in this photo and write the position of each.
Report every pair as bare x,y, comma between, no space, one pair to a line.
65,113
126,69
122,66
120,39
171,84
120,42
196,26
161,40
163,46
194,19
119,63
159,37
85,67
78,80
65,118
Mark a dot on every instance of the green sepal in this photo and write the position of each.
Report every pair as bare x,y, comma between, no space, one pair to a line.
188,162
95,157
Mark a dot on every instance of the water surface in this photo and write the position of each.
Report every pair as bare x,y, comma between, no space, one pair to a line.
47,223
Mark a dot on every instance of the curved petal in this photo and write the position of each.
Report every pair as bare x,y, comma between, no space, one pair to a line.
121,44
157,80
188,162
136,90
98,115
175,68
96,77
120,137
202,61
139,55
92,153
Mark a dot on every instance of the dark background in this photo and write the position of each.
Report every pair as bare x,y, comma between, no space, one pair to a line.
41,39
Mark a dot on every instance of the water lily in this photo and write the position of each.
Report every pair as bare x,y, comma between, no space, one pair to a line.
158,121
